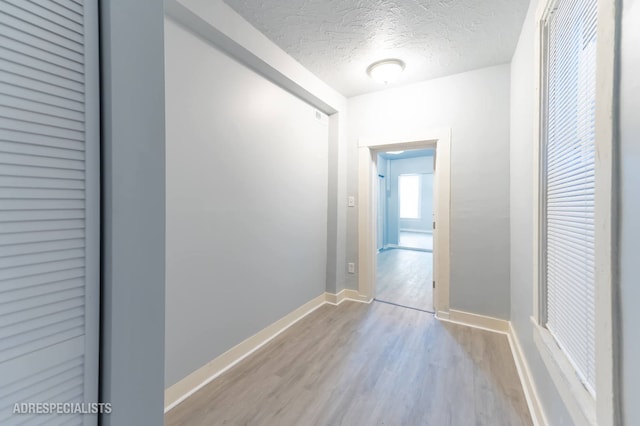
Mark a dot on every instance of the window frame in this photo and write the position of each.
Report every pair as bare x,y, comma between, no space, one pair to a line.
583,408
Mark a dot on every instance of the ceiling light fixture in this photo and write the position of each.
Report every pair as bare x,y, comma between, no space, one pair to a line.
386,71
395,152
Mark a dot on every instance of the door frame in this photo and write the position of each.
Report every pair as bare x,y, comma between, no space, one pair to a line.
368,149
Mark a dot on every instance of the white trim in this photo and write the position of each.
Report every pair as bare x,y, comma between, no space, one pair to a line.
346,294
482,322
417,231
367,175
526,379
577,399
497,325
195,381
608,411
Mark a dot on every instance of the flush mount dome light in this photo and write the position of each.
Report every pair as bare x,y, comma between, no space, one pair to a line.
386,71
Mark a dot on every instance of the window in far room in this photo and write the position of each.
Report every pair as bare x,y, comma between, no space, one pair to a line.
409,195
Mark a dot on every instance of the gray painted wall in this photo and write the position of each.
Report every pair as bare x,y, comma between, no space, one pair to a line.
475,105
132,351
630,207
521,171
247,168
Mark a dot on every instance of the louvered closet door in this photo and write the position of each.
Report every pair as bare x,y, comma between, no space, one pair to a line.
49,206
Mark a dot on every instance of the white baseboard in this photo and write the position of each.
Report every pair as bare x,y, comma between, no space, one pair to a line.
442,315
504,327
526,378
419,231
346,294
195,381
477,321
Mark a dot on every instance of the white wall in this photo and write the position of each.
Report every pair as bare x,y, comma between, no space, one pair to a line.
521,176
475,105
246,205
630,208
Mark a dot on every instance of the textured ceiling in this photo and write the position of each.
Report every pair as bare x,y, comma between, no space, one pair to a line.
338,39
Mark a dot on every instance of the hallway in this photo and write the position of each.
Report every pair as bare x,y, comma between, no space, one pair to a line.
405,278
360,364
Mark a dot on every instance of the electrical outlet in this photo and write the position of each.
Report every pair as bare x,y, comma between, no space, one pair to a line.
351,201
352,268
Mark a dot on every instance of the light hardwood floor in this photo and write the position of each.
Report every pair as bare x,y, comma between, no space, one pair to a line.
419,240
358,364
405,277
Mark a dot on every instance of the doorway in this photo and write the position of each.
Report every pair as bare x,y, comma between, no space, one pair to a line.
404,271
369,192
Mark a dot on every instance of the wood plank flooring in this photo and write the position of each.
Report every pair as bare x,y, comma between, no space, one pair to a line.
418,240
405,277
358,364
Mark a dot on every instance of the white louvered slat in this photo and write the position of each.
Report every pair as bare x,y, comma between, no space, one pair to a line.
36,258
35,225
38,36
50,376
42,140
49,211
41,108
44,172
44,77
10,147
34,182
39,193
59,303
33,280
22,271
38,82
41,205
570,183
29,11
41,247
42,54
51,26
40,94
46,336
34,159
34,291
27,126
31,215
46,381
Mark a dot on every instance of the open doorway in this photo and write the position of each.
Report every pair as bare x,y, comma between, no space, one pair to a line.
368,176
405,217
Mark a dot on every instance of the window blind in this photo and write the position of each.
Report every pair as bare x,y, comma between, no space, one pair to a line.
569,181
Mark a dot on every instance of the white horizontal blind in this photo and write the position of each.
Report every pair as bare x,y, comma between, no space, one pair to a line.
570,182
49,207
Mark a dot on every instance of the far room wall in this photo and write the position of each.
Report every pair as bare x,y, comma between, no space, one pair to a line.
475,107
